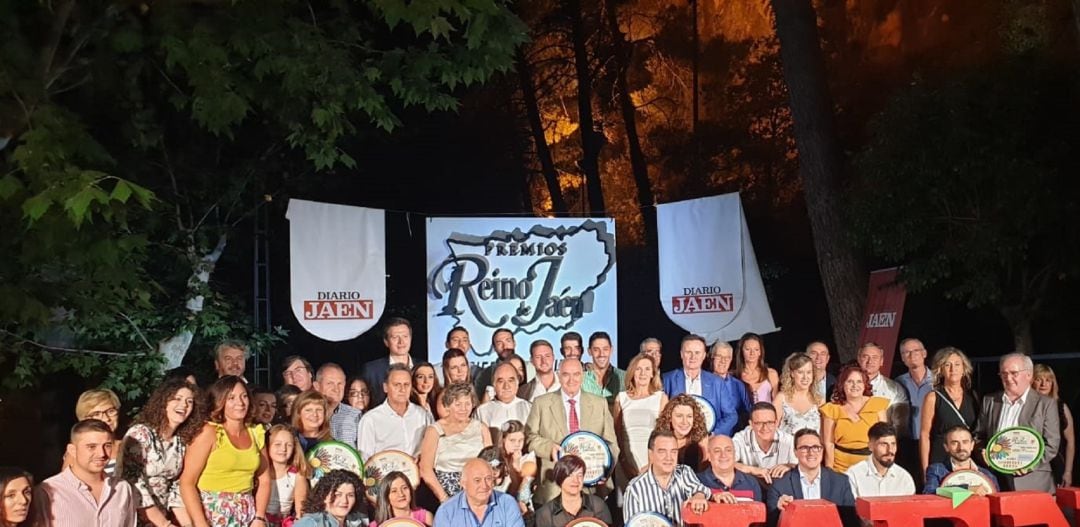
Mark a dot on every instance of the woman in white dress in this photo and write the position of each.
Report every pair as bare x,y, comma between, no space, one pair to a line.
636,410
796,403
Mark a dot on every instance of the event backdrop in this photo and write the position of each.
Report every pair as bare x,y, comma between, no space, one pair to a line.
337,265
710,283
539,277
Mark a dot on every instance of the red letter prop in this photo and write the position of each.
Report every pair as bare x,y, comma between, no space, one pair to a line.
741,514
903,511
804,513
1068,498
1026,507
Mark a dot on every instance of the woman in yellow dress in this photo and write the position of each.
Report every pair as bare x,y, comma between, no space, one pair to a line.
846,420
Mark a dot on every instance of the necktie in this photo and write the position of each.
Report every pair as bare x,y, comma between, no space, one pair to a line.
574,425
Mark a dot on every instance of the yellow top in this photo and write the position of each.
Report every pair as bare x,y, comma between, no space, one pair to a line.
850,434
229,469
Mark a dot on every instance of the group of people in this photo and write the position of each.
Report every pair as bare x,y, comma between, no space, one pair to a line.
488,441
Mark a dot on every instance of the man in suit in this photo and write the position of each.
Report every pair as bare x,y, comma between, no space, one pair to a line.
1019,405
823,380
397,336
556,415
811,480
694,380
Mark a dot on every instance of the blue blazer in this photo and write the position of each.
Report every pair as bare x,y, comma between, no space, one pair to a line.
374,374
712,390
834,487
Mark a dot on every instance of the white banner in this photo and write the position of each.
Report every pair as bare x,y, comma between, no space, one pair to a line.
710,283
337,256
538,277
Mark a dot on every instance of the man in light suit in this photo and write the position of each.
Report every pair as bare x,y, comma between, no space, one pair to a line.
811,480
694,380
1019,405
551,420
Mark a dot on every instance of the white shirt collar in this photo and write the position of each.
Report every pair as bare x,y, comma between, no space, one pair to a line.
1022,400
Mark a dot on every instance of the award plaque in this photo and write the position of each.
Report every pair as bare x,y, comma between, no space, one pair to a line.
586,522
648,519
967,478
382,463
401,522
707,410
594,451
333,455
1012,449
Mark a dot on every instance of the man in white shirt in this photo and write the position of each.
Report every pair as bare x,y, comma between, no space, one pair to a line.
870,358
879,475
506,405
542,358
397,424
761,449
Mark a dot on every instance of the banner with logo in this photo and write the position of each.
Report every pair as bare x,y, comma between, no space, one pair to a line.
884,309
538,277
337,256
710,283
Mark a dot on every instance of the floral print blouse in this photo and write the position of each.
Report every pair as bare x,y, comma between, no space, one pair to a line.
153,467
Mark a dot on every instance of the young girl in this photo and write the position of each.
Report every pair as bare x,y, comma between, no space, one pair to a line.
288,477
395,500
520,465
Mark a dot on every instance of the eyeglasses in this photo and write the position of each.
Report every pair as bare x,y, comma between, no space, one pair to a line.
110,413
810,449
359,393
1015,373
764,424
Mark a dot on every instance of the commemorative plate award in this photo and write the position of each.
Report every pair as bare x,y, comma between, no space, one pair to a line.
586,522
707,410
1016,448
594,451
333,455
648,519
382,463
968,478
401,522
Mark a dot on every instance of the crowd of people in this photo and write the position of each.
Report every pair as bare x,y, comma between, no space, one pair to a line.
488,442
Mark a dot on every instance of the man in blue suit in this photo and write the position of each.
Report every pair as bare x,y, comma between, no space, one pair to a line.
810,480
694,380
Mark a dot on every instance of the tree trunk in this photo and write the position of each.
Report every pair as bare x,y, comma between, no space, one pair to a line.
623,54
841,271
536,125
174,348
1019,321
591,139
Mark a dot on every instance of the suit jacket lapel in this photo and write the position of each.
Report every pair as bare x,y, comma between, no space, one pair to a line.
1027,413
995,415
558,410
796,482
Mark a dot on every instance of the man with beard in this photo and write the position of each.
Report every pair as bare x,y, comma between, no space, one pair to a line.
502,341
82,494
542,357
959,444
571,345
879,475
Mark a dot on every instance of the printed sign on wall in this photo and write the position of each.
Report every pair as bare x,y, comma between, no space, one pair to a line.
539,277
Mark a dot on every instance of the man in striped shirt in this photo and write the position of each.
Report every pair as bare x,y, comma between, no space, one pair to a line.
667,486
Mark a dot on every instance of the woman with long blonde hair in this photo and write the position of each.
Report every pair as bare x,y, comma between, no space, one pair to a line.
797,404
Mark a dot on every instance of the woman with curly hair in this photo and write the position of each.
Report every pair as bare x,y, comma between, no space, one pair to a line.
225,482
395,500
152,452
451,441
17,489
846,421
425,387
951,403
797,404
683,417
335,502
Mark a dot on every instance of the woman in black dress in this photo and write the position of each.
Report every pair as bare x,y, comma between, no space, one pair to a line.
951,403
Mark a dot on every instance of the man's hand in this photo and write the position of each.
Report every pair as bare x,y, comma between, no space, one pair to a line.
762,473
698,503
779,470
1024,472
979,490
724,497
783,501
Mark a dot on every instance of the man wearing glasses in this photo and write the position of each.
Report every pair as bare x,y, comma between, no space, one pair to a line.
811,480
761,449
1019,405
297,371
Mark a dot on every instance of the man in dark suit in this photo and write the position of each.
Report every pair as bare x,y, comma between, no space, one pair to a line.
397,336
694,380
811,480
1019,405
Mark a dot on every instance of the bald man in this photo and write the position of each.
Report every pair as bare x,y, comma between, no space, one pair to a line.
721,474
556,415
479,504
